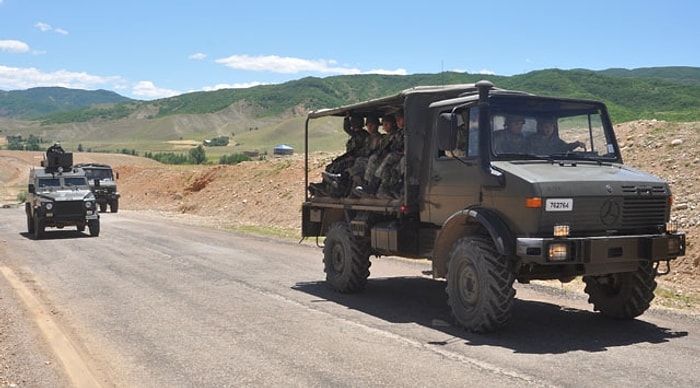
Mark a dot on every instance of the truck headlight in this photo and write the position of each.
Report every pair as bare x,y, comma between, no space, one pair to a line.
558,252
88,204
48,205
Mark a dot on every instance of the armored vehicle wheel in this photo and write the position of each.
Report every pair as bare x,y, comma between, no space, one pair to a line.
622,295
94,226
103,207
39,227
81,227
114,206
479,285
30,224
345,259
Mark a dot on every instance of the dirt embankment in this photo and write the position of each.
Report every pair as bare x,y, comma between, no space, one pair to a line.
268,194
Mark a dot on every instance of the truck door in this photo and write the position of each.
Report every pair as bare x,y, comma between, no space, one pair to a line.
454,176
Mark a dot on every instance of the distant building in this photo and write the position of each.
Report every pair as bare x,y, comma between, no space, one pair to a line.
282,150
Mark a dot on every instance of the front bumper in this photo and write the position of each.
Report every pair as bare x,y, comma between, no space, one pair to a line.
601,251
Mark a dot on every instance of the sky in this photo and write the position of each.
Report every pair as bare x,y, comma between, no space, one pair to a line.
151,49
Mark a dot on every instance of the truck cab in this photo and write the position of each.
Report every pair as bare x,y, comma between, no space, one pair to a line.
103,183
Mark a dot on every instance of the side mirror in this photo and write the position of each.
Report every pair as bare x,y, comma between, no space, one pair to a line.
116,176
447,131
31,189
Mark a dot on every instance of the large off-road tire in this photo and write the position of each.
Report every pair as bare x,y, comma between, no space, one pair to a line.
479,285
94,226
30,224
80,227
114,206
39,228
103,207
624,295
345,259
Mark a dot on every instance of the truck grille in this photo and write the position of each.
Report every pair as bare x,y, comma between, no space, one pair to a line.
629,214
638,212
68,208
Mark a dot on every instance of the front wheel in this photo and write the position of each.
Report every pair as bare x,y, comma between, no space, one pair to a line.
30,224
345,259
624,295
39,227
94,226
479,285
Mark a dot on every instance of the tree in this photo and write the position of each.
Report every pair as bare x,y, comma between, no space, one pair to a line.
197,155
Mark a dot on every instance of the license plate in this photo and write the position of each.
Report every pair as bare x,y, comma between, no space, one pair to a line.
559,205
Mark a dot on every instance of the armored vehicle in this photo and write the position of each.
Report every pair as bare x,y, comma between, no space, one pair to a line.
58,195
490,199
103,184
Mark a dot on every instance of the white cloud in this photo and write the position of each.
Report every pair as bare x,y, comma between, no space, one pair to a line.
486,72
284,65
43,27
13,46
232,86
198,56
147,90
23,78
387,72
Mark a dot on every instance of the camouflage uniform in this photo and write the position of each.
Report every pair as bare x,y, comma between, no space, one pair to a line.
391,170
373,144
335,179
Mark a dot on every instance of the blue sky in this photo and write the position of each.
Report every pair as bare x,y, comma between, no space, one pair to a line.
149,49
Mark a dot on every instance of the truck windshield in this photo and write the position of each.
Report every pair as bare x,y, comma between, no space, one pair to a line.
71,182
550,130
49,183
101,174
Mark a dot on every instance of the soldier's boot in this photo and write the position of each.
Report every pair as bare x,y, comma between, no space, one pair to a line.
367,190
318,189
385,192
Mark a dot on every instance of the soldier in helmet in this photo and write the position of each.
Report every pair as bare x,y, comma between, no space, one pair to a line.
55,149
511,139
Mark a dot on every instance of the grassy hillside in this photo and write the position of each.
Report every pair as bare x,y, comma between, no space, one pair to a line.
34,103
258,118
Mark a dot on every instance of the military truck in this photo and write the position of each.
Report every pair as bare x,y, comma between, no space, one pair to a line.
487,215
58,195
103,184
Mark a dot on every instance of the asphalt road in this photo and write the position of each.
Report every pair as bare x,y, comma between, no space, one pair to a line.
152,302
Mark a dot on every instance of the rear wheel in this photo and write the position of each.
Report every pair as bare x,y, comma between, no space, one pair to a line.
479,285
103,207
345,259
624,295
114,206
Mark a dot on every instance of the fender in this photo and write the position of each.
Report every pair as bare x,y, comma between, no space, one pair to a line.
466,222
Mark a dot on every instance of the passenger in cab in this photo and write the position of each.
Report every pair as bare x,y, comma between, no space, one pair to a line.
547,141
511,139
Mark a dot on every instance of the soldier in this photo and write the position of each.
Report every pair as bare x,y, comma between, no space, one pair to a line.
55,149
335,178
511,140
380,163
373,143
547,140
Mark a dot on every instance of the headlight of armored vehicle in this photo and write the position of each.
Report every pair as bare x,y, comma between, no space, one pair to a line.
88,204
48,205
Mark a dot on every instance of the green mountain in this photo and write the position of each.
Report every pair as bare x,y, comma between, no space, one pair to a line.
260,117
671,93
35,103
